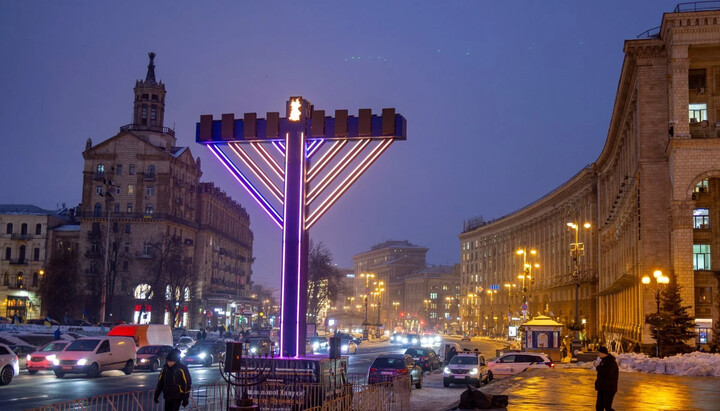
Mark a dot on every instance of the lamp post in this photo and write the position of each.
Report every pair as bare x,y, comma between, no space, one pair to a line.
492,293
510,288
365,324
426,303
577,250
395,305
527,274
470,298
661,280
378,292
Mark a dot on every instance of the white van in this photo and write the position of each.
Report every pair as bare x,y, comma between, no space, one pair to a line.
93,355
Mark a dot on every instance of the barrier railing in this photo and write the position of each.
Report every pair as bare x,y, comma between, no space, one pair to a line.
387,396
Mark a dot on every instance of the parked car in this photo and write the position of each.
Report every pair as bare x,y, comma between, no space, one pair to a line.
93,355
445,348
344,336
425,357
411,340
9,366
42,359
152,357
206,352
81,323
23,352
517,362
467,369
42,321
348,347
259,345
388,366
466,337
318,344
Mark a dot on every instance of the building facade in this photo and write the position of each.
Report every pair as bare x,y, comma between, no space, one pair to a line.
651,196
141,197
432,298
24,240
389,262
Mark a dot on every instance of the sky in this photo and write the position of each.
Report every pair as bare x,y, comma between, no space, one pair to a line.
504,101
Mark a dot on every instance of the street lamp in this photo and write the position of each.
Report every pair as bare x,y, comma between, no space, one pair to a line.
470,297
510,288
661,280
492,293
367,277
527,274
395,305
577,250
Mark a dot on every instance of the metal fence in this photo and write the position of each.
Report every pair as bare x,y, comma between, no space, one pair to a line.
388,396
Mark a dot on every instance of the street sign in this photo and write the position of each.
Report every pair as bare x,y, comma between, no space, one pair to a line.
495,286
523,307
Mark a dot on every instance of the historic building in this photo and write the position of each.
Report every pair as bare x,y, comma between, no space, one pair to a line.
24,240
651,196
142,197
432,298
389,262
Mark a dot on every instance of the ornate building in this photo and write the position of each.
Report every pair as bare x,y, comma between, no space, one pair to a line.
141,195
652,195
432,298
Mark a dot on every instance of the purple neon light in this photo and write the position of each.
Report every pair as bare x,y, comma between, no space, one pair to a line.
301,226
269,160
325,159
259,173
279,147
313,147
240,177
282,285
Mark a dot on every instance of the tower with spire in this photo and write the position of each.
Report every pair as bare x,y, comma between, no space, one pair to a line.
149,105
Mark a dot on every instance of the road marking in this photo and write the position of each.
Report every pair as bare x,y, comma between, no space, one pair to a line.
27,398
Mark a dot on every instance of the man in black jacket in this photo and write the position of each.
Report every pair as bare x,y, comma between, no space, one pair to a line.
607,380
174,382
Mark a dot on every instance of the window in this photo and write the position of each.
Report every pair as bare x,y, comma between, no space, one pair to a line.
19,280
104,347
143,118
147,248
150,190
127,228
98,210
148,209
96,228
8,253
701,256
118,190
698,112
127,247
36,254
9,229
433,296
99,190
144,96
132,169
38,229
116,208
129,207
23,228
701,218
94,247
131,189
118,170
433,315
100,170
153,97
696,79
702,186
703,295
36,279
153,114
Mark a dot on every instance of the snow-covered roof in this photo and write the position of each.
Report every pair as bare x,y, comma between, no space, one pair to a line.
27,209
542,320
177,151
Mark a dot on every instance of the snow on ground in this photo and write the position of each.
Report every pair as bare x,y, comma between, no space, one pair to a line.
696,364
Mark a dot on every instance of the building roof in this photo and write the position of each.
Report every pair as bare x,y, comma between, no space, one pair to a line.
150,76
435,271
27,209
395,244
67,227
177,151
542,320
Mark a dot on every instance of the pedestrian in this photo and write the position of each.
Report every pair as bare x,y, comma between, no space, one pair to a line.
637,349
607,380
16,319
174,382
564,351
612,346
450,354
57,333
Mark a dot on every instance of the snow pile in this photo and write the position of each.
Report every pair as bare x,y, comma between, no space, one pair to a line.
694,364
589,365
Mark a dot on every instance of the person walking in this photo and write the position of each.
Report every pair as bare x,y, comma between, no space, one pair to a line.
607,380
57,333
174,382
450,354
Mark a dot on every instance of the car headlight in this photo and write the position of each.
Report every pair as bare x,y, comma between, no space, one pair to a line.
143,360
474,371
202,355
51,358
316,345
446,370
27,358
82,362
437,338
253,350
392,338
55,361
344,347
405,340
414,340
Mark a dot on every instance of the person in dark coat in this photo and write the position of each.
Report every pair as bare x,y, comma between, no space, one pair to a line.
450,354
57,333
607,380
174,383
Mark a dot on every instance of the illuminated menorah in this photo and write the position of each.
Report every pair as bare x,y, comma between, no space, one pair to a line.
278,152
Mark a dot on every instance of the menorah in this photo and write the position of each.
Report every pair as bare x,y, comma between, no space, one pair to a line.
302,189
242,369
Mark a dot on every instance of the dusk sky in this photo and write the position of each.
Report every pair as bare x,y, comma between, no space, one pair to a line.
504,101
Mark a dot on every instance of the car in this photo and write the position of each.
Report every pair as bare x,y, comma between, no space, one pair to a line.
344,336
467,369
411,340
106,325
425,357
9,366
184,344
259,346
206,353
318,344
42,359
152,357
386,367
23,352
42,321
5,320
81,323
93,355
517,362
466,337
396,338
428,340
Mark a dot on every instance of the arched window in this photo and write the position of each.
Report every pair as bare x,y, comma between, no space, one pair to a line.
151,170
21,257
98,210
38,229
23,228
9,228
36,279
142,292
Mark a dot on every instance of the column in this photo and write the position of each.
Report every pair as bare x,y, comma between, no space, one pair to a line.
678,93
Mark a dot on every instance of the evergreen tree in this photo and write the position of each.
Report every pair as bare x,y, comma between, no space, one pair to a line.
673,327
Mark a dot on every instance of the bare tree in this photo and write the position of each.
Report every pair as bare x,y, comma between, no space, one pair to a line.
60,287
325,282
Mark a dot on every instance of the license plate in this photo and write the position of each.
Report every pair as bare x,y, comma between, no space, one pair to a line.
387,373
67,368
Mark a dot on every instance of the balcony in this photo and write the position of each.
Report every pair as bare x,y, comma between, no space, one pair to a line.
21,237
149,177
145,127
18,261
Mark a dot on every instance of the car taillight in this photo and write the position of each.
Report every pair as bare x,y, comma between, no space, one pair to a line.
372,370
402,370
550,364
